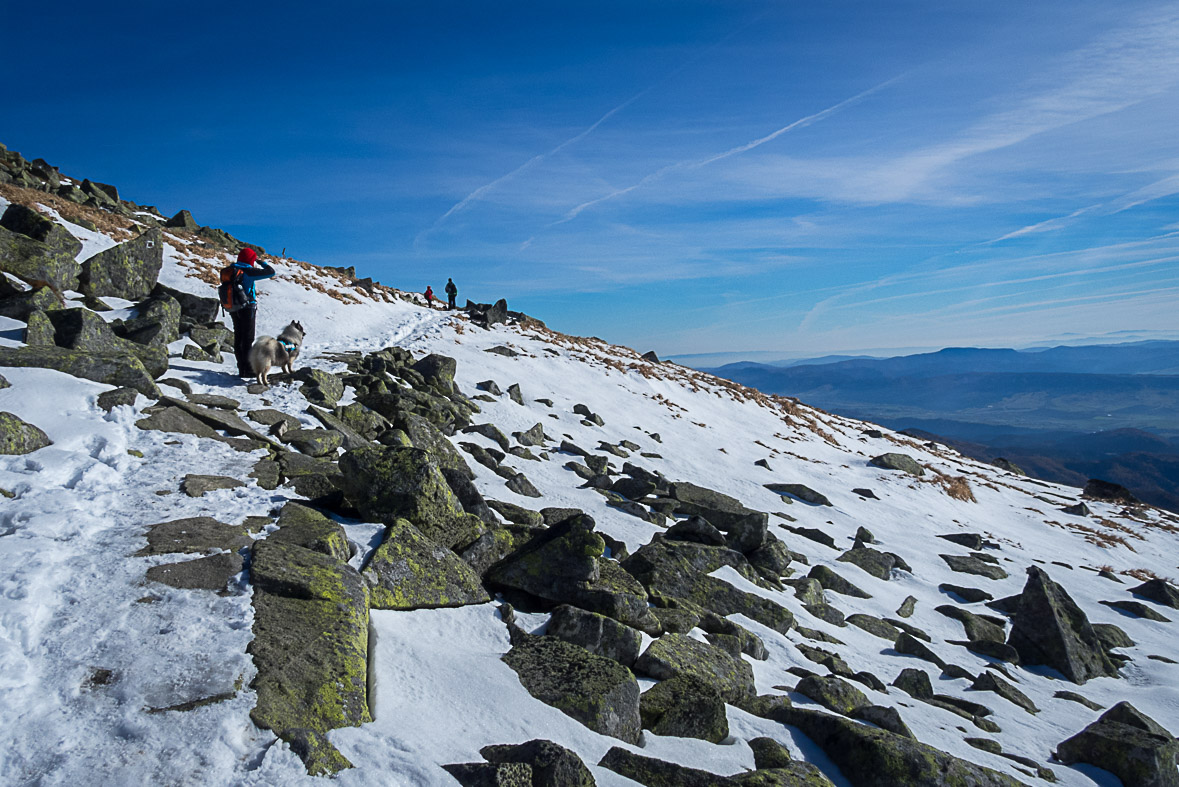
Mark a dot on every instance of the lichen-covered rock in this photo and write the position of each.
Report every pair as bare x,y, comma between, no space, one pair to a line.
878,564
1128,744
1158,591
206,573
20,437
387,483
520,484
874,626
902,462
835,583
319,387
977,626
801,491
195,485
200,534
968,564
871,757
157,322
554,561
176,420
128,270
32,260
676,654
310,648
596,691
410,571
308,528
552,765
487,774
680,569
119,369
425,435
596,633
832,693
652,772
314,442
196,310
517,514
988,681
684,706
1050,629
82,329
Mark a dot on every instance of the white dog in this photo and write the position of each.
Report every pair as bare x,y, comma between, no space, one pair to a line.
282,352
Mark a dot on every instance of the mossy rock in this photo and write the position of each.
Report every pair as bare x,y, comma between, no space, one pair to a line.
86,331
157,322
968,564
314,442
200,534
488,774
1049,628
310,648
410,571
387,483
517,514
598,634
33,260
872,757
901,462
119,369
833,693
552,765
676,654
320,387
308,528
206,573
685,706
362,420
598,692
878,564
653,772
680,569
874,626
835,583
1127,743
128,270
20,437
426,436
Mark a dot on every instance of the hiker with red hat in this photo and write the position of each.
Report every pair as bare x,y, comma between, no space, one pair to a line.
245,317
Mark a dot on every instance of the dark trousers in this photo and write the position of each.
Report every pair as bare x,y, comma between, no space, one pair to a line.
243,338
452,297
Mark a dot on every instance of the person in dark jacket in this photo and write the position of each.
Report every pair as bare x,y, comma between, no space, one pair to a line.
245,319
451,292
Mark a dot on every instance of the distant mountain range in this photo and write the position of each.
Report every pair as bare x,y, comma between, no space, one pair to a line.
1064,413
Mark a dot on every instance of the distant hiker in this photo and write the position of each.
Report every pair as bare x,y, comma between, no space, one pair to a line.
451,292
244,314
430,299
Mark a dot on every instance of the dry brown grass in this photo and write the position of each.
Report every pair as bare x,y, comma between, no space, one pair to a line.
118,227
1095,536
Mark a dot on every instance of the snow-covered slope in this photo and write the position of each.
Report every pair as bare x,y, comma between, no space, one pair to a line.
90,652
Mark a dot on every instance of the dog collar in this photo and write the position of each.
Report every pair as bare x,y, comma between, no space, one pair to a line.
287,345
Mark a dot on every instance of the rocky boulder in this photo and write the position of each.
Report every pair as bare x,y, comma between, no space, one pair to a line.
409,571
1096,489
387,483
901,462
677,654
872,757
1049,628
596,691
1127,743
552,765
128,270
685,706
84,330
117,369
20,437
598,634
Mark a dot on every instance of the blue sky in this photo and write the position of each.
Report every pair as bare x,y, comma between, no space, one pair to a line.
690,177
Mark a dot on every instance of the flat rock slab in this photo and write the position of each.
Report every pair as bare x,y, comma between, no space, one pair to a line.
598,692
965,564
206,573
200,534
213,400
199,485
409,571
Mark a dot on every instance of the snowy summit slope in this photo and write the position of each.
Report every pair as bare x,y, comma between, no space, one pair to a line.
108,678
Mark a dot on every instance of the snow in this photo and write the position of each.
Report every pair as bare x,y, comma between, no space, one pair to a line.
75,601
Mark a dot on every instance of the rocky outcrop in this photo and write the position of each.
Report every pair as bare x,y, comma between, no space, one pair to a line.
128,270
685,706
120,369
596,691
387,483
901,462
596,633
676,654
552,765
310,648
1050,629
872,757
48,262
20,437
1127,743
409,571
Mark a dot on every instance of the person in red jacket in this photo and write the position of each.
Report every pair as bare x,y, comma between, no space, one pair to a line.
244,319
430,299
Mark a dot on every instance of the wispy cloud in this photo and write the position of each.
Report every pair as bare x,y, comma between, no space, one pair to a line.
697,163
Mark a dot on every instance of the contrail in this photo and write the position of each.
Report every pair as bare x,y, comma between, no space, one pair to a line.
800,123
